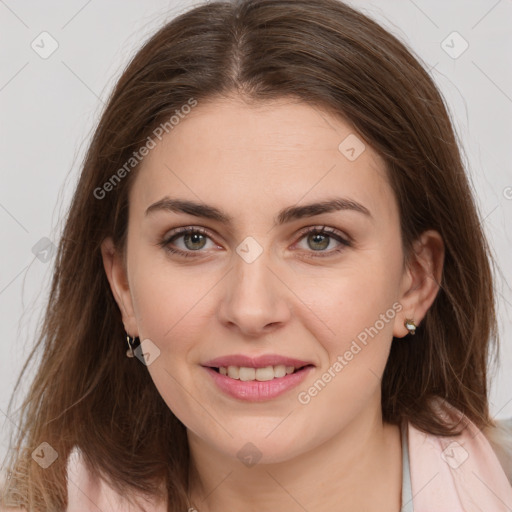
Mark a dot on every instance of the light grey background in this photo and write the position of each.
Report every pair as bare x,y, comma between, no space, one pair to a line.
50,106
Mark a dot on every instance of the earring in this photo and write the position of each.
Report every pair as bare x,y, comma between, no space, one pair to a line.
410,326
133,343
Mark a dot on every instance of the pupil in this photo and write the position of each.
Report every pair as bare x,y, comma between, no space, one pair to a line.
196,239
325,239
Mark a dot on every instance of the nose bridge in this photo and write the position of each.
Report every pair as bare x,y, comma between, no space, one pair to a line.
252,277
254,297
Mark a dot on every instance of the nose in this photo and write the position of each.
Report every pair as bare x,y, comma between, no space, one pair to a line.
255,301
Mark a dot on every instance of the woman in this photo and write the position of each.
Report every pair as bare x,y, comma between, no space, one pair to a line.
273,223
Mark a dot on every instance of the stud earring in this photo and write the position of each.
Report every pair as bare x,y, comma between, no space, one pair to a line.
410,326
133,343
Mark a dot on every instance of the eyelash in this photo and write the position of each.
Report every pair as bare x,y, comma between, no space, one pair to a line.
324,230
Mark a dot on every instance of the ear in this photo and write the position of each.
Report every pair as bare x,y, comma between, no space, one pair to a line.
421,280
117,277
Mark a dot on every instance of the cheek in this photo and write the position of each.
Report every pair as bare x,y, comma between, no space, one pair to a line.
169,308
357,305
353,322
167,299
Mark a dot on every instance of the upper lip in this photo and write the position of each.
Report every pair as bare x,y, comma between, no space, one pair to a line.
255,362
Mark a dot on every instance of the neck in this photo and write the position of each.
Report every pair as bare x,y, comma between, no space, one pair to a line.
360,467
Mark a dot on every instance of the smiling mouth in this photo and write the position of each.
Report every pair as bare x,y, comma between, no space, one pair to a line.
266,373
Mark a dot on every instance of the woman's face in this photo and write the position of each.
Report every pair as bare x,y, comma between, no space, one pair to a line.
260,285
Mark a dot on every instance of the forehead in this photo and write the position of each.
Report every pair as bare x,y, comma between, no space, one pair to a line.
259,155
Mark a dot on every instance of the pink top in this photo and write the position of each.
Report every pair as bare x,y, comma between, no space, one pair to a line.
465,473
457,474
448,474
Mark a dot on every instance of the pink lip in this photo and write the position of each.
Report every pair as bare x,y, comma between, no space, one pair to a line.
255,391
255,362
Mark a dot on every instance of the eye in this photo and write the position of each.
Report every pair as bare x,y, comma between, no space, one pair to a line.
319,238
195,238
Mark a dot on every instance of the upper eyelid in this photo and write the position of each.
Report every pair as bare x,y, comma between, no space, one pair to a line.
329,230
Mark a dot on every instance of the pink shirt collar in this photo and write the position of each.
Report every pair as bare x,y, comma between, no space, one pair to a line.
456,474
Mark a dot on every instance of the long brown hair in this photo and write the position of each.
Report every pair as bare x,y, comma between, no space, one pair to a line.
87,393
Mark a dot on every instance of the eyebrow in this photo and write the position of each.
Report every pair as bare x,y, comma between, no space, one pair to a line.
285,215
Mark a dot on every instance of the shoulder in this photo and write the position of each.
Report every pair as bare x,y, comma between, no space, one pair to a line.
500,439
85,487
457,472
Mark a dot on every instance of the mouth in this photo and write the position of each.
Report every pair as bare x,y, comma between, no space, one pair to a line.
262,374
251,384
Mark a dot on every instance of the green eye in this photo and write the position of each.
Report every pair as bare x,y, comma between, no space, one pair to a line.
195,239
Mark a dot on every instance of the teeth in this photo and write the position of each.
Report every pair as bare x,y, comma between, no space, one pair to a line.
280,371
266,373
233,372
244,373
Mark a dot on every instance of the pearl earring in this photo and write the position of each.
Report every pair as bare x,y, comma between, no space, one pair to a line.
410,326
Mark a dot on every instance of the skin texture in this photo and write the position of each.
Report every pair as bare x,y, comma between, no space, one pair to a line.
252,161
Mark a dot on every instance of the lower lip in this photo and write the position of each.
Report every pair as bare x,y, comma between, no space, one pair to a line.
258,391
